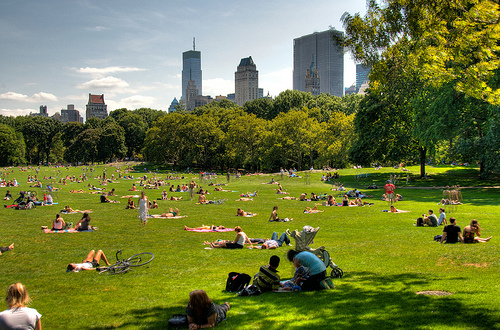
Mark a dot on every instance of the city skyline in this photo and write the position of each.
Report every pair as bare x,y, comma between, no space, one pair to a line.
57,53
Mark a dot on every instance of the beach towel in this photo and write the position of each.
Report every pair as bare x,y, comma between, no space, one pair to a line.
130,196
48,231
76,211
250,215
210,231
158,216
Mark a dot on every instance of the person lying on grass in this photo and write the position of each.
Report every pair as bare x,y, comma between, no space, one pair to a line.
312,210
238,243
241,213
6,248
202,312
211,227
301,274
244,199
105,199
249,194
471,230
274,242
68,209
172,213
91,262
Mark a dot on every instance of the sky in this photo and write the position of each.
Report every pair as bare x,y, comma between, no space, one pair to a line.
56,52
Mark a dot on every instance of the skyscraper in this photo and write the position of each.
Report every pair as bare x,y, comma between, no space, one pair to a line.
362,73
246,81
329,62
96,107
191,70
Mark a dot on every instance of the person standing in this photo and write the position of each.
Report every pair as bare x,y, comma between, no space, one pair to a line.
192,185
18,316
389,190
143,208
452,232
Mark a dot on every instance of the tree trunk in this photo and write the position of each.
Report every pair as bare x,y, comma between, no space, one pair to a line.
423,152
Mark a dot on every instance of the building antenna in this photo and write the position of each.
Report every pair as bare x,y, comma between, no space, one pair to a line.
194,46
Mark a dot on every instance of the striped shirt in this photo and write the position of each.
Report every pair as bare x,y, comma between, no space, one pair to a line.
267,279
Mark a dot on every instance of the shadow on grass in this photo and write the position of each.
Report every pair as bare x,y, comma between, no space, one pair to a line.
361,300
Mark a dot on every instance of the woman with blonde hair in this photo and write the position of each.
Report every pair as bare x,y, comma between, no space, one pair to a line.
18,316
471,230
202,312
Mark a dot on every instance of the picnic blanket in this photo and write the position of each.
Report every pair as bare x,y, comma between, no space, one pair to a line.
48,231
158,216
209,230
249,215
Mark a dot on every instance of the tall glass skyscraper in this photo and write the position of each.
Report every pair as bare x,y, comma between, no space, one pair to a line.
329,61
191,70
362,73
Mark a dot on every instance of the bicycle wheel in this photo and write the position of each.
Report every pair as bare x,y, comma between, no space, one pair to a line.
140,259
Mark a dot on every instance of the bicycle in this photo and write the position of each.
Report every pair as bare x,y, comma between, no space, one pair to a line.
123,265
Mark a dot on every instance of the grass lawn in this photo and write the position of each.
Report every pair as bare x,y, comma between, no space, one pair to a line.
386,260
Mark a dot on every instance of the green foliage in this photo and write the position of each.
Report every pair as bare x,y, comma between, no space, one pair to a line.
12,146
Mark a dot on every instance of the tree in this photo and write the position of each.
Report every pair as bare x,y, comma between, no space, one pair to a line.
135,132
111,142
12,146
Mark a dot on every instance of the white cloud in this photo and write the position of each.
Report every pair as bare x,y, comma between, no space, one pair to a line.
132,102
106,83
37,97
13,96
276,82
217,86
100,72
17,112
97,28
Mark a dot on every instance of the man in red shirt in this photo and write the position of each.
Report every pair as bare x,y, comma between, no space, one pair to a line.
389,190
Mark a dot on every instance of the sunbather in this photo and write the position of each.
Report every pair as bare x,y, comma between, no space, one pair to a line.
172,213
312,210
211,227
6,248
241,213
90,263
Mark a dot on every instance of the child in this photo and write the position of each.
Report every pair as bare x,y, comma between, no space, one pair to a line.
294,284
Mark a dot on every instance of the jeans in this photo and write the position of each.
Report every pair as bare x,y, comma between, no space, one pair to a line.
283,238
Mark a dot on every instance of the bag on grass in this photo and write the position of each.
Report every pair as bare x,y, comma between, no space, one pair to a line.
420,222
438,238
251,290
237,281
178,321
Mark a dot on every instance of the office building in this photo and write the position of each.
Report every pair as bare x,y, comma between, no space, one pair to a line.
329,62
70,115
96,107
173,106
362,73
312,79
246,81
191,70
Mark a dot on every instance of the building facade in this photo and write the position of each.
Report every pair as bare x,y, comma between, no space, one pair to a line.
191,70
43,112
70,115
312,79
96,107
246,81
329,60
362,73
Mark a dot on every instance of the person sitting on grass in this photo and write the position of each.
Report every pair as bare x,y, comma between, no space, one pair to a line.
130,204
105,199
471,230
8,196
268,279
153,205
84,223
91,262
202,199
134,188
164,195
442,217
331,200
241,213
345,201
317,270
430,220
274,216
58,223
202,312
18,316
172,213
238,243
6,248
452,232
312,210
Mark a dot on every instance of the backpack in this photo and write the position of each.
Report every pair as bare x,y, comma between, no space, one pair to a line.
178,321
237,281
420,222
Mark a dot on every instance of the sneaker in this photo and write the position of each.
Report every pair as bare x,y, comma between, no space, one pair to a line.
324,285
330,283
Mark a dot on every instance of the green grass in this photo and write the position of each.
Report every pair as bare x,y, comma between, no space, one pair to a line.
386,260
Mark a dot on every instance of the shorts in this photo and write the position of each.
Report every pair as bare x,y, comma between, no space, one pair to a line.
234,246
95,264
390,196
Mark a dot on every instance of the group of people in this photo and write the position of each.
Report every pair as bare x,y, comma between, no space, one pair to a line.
453,234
